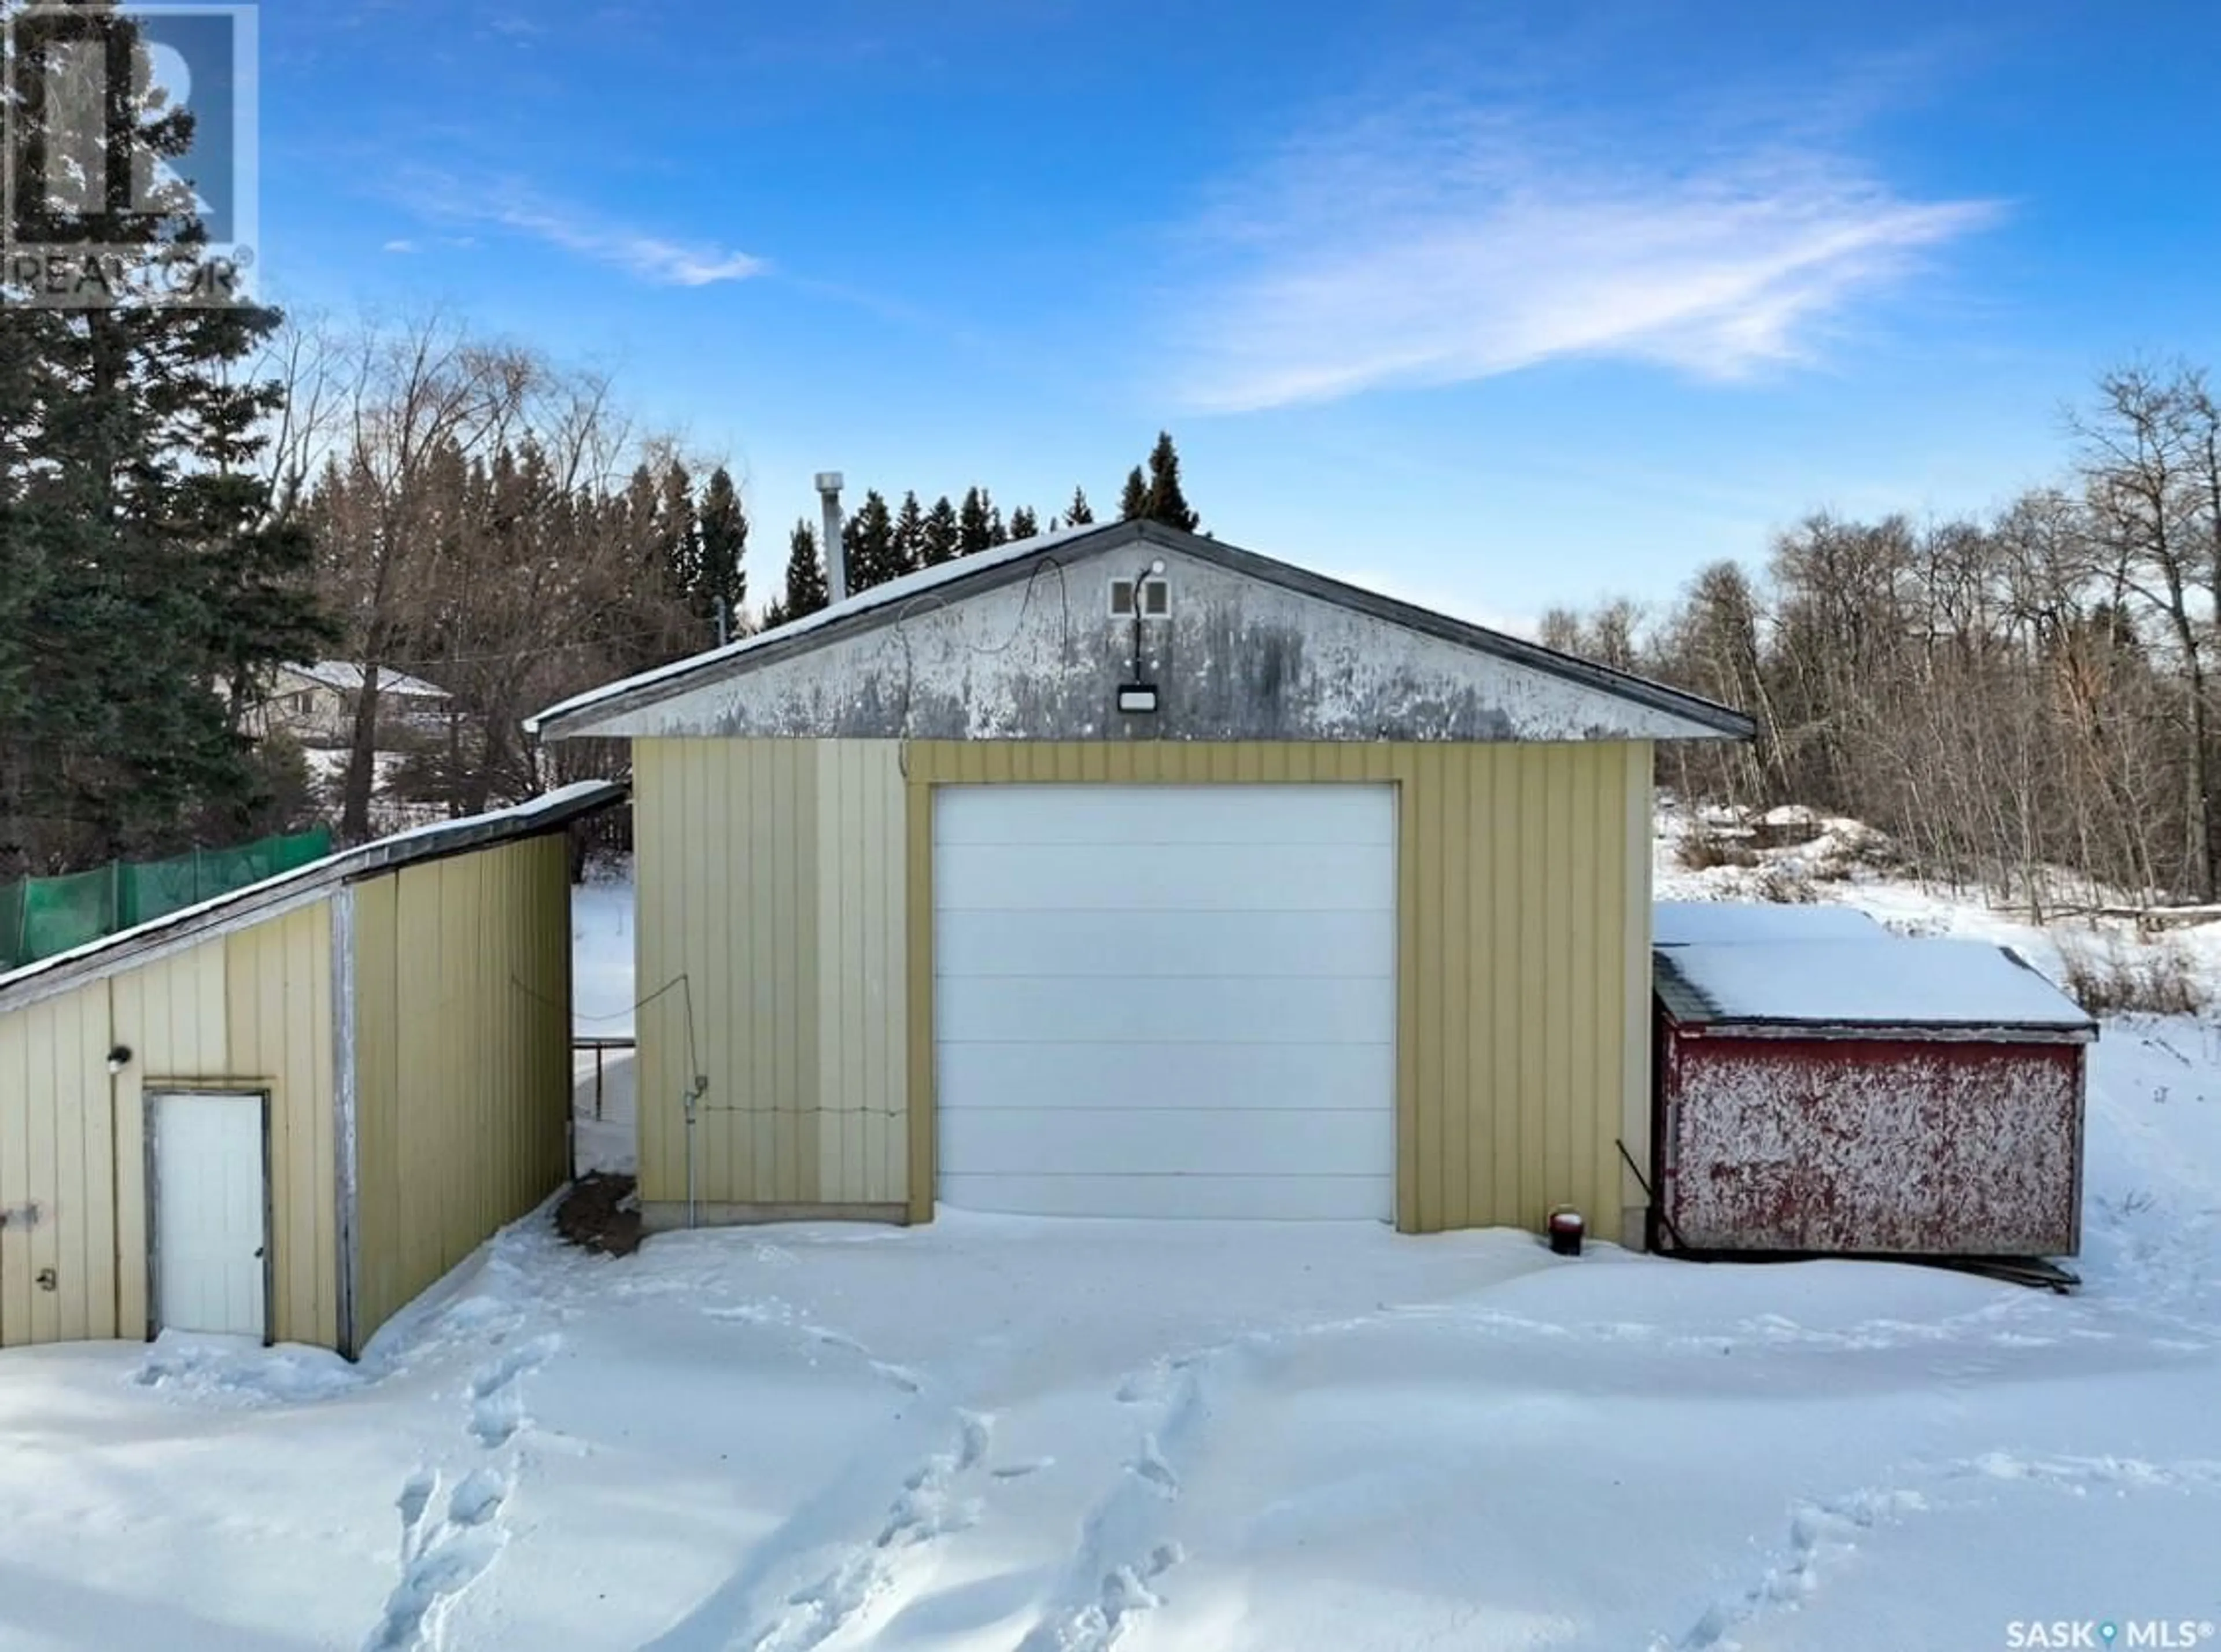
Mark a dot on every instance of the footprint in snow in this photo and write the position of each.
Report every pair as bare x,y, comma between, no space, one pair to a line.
477,1499
1153,1470
438,1565
497,1406
416,1497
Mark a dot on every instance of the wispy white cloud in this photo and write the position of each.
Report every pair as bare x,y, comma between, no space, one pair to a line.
401,247
658,259
1443,244
653,258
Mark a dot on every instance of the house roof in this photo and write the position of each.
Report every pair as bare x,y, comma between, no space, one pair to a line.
142,944
951,582
346,677
1688,923
1887,983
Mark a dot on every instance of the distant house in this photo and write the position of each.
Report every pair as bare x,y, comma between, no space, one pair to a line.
316,703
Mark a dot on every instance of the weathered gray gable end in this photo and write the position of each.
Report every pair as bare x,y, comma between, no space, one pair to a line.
1038,657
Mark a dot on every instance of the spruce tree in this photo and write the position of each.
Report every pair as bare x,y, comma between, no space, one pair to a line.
1078,513
145,570
1134,503
975,527
720,583
1023,524
909,535
944,533
869,540
677,533
805,579
1166,502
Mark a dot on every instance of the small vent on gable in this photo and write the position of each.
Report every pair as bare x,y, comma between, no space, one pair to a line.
1156,599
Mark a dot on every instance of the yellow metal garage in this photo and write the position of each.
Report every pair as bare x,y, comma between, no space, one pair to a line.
995,886
287,1111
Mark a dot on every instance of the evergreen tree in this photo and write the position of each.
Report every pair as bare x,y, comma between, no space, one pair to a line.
1165,502
145,573
1023,524
944,535
1134,503
805,579
909,535
1078,513
678,534
975,525
998,532
869,541
720,583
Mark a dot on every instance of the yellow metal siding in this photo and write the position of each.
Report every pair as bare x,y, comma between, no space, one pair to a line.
861,1142
1523,965
462,1059
772,923
56,1178
250,1011
278,1015
381,1273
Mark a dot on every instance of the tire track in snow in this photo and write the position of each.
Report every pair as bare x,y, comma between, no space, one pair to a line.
439,1561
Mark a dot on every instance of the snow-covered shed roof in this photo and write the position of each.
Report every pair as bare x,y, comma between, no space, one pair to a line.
1900,984
1722,923
1684,715
142,944
346,677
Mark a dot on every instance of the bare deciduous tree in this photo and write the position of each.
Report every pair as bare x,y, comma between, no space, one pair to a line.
2024,702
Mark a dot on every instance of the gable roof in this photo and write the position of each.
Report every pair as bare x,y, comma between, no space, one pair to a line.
144,943
888,604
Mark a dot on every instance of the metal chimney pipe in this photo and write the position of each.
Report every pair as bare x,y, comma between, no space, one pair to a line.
829,483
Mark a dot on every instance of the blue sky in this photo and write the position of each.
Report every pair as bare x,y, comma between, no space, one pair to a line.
1492,306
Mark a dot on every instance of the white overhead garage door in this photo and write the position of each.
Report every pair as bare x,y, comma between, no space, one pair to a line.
1167,1001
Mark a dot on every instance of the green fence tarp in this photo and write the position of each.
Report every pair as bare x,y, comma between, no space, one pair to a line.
47,915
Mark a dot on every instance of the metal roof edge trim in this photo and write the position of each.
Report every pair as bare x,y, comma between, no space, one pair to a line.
274,897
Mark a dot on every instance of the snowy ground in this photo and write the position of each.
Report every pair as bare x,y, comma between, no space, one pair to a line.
997,1435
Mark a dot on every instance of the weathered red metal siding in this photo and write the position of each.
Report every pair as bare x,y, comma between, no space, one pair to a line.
1887,1145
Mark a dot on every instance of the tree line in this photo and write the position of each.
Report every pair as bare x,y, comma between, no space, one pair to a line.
479,518
2025,699
193,499
880,543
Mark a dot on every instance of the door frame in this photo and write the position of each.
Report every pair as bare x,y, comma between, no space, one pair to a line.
151,1095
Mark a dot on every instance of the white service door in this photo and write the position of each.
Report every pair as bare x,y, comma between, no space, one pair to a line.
1167,1001
210,1202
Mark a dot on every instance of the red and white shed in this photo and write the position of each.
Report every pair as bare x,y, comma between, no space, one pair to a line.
1860,1093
